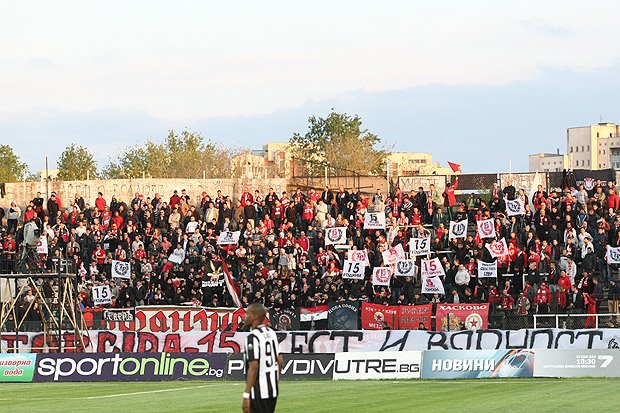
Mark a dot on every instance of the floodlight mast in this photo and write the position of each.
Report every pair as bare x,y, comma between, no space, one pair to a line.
66,295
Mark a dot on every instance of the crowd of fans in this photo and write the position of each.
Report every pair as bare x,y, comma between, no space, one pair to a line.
557,260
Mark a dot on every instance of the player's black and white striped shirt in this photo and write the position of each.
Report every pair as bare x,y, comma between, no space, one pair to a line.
262,345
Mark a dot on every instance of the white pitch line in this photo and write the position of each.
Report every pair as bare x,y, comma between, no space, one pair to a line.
107,396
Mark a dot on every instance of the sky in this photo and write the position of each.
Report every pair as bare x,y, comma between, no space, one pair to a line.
482,83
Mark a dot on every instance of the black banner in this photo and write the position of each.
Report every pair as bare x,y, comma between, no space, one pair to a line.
581,176
343,315
121,314
284,320
296,366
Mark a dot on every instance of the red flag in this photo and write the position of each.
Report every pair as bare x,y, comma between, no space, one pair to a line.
313,313
456,167
375,315
411,316
233,289
449,317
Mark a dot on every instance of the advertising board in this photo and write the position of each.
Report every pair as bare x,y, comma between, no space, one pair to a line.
377,365
468,364
577,363
17,367
129,367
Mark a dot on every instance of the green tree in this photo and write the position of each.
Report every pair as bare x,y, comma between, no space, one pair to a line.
149,159
76,163
11,168
184,155
339,141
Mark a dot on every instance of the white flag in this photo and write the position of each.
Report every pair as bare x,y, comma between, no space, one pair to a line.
229,238
374,220
487,269
358,255
393,254
102,295
533,189
121,269
336,236
381,275
498,248
458,229
515,207
177,256
354,270
613,255
419,246
432,268
432,285
486,228
42,245
405,268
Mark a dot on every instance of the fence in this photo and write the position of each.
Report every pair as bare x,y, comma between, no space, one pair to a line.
575,321
307,174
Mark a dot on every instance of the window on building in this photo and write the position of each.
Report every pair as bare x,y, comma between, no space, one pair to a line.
571,149
582,148
597,135
588,148
588,164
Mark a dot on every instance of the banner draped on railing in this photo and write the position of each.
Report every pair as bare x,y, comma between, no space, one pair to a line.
324,341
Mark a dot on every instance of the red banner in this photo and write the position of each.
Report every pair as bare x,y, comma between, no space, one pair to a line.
376,316
405,317
181,319
452,317
411,316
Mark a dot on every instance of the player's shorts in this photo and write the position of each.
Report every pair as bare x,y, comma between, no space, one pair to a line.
263,405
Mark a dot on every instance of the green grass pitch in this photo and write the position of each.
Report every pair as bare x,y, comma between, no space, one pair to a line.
483,395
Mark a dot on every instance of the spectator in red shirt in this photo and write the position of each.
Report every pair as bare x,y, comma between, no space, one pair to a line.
307,215
564,281
246,196
542,299
613,200
449,197
100,202
277,213
175,199
506,301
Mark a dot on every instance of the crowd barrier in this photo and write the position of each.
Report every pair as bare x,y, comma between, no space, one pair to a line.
431,364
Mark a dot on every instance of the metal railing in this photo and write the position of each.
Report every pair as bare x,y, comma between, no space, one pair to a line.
576,321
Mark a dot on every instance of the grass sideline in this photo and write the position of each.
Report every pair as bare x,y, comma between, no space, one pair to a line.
505,395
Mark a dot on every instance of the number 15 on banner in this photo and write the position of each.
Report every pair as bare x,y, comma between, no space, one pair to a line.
432,268
354,270
420,246
102,295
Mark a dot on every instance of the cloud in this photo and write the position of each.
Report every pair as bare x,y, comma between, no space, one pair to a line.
481,126
39,62
547,28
